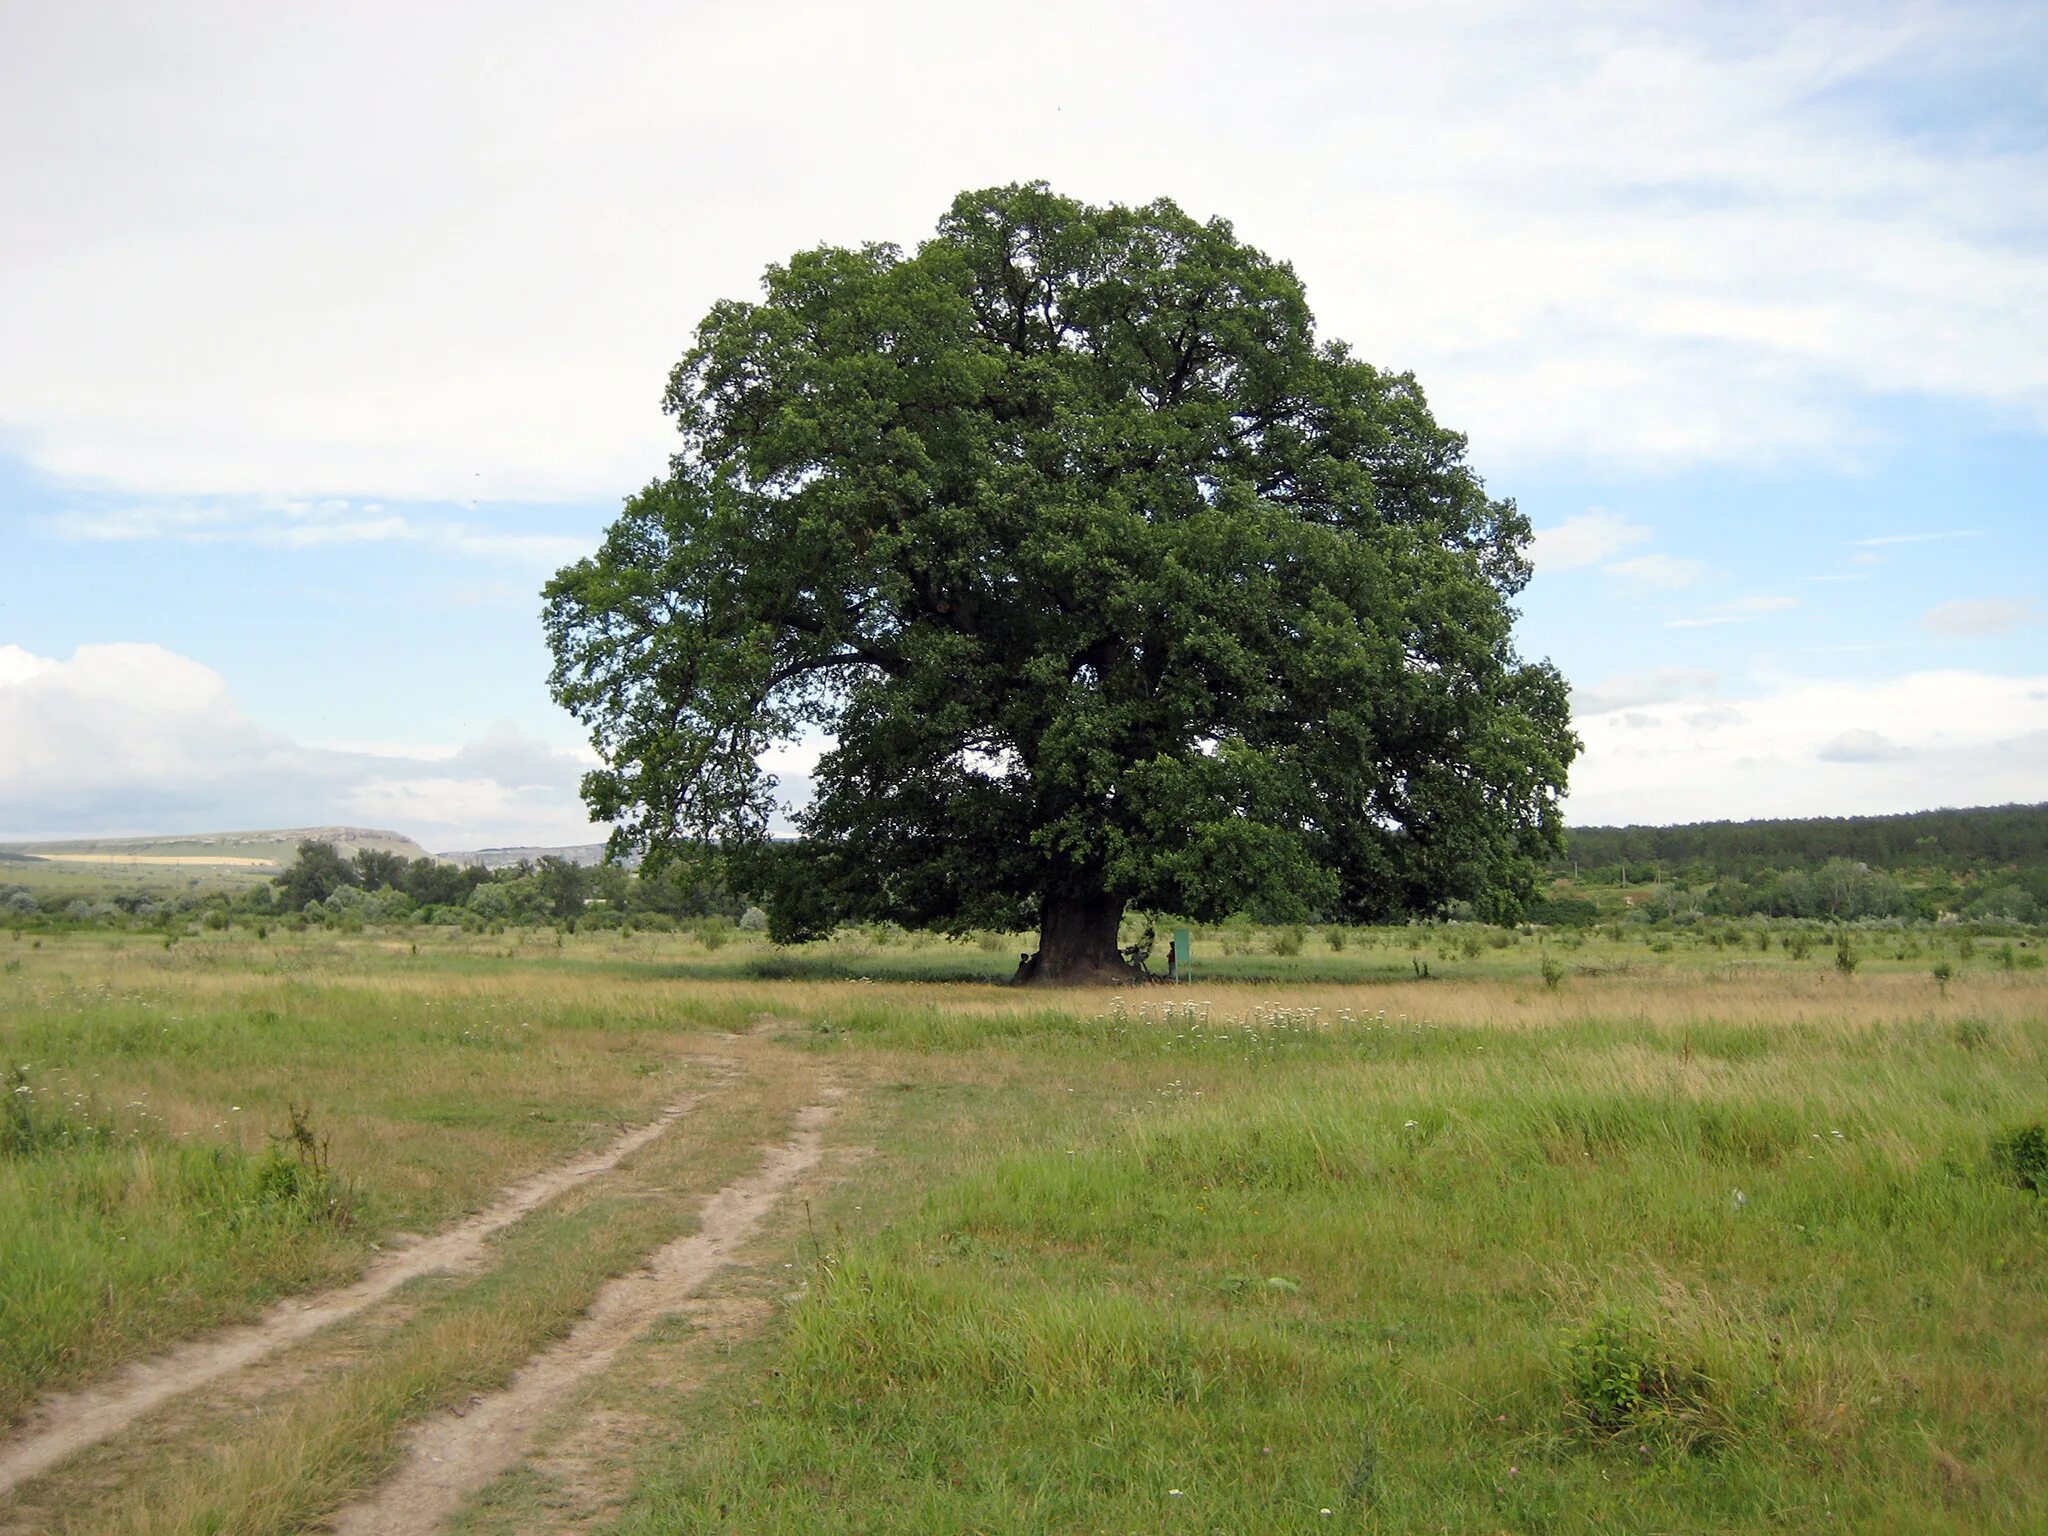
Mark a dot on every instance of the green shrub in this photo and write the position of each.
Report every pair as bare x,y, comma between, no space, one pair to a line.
1686,1383
2021,1155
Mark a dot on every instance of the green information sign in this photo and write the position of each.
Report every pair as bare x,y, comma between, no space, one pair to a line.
1183,941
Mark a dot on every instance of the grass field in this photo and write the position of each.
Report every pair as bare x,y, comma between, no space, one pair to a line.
1587,1236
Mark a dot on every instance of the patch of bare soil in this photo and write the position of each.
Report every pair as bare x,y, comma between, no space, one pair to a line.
68,1423
454,1454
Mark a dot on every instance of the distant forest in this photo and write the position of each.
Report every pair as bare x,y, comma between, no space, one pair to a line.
1959,842
1989,863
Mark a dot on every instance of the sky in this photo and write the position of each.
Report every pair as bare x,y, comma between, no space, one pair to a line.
328,331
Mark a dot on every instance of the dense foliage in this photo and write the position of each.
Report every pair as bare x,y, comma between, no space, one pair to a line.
1989,864
1112,583
1953,840
322,886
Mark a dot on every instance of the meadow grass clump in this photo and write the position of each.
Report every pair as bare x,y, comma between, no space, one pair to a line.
35,1120
1287,1146
914,1397
869,1325
108,1238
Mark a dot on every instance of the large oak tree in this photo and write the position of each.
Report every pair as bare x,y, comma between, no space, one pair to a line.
1110,581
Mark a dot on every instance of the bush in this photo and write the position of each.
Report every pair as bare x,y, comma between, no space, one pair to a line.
1288,940
1563,912
2021,1155
1679,1375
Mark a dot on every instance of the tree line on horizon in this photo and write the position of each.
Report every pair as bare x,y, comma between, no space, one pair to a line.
1988,863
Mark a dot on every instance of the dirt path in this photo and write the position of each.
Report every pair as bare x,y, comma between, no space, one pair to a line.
453,1456
63,1425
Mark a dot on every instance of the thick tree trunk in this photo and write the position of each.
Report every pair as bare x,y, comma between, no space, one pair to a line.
1077,943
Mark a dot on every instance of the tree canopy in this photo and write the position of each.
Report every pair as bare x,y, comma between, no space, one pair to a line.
1109,581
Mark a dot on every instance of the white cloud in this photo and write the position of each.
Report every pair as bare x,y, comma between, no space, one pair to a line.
1979,618
1817,747
1660,686
276,524
1658,573
1861,747
1586,539
395,250
796,759
136,738
1744,610
1909,538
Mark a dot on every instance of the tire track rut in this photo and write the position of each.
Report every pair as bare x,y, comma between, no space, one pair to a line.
451,1456
62,1425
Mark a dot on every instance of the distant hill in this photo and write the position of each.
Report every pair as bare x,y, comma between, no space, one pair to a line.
273,848
505,858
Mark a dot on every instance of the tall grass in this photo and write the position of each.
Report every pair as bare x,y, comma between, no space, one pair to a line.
1655,1263
110,1235
1673,1239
